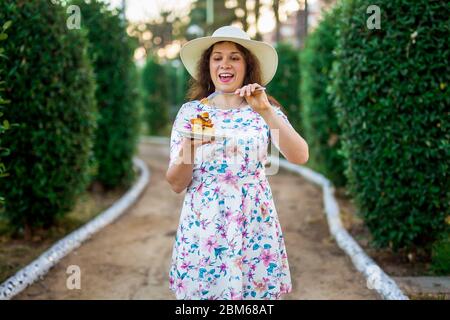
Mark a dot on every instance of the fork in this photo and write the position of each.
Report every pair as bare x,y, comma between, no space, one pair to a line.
214,94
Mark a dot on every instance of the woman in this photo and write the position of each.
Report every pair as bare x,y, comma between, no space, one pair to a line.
229,243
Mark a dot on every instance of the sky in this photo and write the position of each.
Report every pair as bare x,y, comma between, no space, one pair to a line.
148,10
139,10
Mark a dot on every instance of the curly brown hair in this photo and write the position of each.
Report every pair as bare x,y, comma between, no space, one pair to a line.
204,86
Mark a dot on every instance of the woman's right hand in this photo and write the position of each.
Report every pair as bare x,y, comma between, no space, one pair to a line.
180,175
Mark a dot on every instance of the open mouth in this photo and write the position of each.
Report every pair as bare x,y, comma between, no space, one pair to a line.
226,77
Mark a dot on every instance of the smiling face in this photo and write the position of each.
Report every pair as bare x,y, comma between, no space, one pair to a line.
227,67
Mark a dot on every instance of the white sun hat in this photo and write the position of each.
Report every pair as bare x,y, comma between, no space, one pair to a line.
266,54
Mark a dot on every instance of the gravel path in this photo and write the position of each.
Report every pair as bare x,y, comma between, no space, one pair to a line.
130,258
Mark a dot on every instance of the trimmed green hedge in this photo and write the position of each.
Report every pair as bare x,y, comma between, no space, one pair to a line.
321,128
49,82
392,95
172,75
111,51
179,78
285,85
440,256
4,125
155,85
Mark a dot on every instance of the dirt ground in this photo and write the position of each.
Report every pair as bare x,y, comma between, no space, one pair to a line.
130,258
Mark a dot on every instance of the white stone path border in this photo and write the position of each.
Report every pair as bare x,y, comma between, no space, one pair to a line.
376,278
39,267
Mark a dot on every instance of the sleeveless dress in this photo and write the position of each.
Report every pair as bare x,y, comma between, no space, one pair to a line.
229,243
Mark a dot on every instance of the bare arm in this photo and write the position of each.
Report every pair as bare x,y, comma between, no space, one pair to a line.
179,175
291,144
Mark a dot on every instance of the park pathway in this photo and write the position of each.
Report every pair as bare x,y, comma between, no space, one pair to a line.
130,258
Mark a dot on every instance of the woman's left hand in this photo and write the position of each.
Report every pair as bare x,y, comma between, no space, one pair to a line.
257,99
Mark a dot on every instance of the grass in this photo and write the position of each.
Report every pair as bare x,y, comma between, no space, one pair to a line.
429,296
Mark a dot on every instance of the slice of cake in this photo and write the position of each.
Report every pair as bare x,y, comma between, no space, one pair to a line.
202,124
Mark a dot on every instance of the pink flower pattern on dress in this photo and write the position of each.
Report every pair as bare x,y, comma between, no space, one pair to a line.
229,178
267,257
210,243
229,244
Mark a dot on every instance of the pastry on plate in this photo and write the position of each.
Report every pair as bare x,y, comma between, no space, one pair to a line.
202,124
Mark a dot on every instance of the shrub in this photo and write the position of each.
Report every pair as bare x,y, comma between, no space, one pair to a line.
286,83
391,97
179,78
49,81
172,76
157,100
184,79
441,256
111,51
4,125
320,124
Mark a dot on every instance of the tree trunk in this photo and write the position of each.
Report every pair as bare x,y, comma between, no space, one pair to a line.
243,6
302,23
276,6
257,6
306,19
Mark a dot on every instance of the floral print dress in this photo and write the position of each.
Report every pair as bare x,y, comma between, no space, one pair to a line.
229,243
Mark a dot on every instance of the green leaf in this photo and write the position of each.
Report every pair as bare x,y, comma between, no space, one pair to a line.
3,36
7,24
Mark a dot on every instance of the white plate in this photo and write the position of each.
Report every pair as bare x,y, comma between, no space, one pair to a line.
200,136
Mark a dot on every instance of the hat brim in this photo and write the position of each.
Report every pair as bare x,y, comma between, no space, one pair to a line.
267,55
